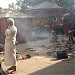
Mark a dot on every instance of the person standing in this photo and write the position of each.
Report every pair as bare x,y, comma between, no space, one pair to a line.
67,26
10,40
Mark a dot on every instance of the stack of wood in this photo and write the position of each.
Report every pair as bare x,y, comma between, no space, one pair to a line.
2,71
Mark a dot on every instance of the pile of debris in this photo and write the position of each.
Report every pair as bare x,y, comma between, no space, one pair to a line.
22,57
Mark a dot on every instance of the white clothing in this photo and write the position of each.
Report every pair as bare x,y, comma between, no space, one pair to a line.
10,52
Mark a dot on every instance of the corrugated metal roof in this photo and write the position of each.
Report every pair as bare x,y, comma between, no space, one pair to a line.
14,14
45,5
2,14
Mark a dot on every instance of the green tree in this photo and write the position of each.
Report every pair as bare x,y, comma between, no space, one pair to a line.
24,4
68,4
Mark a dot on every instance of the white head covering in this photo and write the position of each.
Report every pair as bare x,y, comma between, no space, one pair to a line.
10,20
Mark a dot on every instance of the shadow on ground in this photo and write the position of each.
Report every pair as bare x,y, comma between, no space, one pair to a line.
61,68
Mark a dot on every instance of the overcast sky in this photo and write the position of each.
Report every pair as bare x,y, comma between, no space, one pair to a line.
5,3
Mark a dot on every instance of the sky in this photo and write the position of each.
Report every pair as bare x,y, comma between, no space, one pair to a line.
5,3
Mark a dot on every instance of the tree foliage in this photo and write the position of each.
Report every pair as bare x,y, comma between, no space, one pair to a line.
65,3
24,4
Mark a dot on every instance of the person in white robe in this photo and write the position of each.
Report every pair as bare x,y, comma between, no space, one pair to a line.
10,48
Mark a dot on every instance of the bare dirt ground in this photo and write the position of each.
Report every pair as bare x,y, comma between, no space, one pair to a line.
43,65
